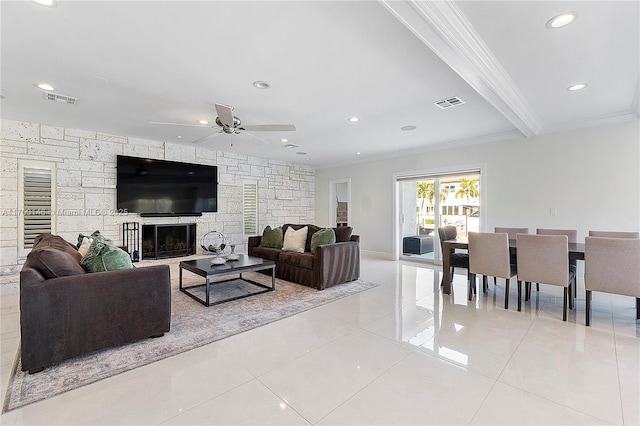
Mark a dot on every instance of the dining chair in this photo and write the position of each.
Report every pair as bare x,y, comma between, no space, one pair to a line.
489,256
572,236
457,259
543,259
614,234
612,265
511,232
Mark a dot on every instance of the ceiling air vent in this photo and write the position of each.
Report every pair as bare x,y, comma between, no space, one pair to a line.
449,102
60,98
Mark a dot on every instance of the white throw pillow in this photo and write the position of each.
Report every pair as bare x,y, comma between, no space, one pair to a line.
84,247
295,240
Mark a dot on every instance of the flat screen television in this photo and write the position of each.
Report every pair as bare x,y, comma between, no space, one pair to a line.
165,188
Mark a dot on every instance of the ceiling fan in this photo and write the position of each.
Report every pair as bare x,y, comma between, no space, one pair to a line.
228,123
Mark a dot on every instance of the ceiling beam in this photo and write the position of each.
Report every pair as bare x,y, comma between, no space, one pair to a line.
442,27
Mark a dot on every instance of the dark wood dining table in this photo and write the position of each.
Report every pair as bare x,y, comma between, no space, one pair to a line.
576,251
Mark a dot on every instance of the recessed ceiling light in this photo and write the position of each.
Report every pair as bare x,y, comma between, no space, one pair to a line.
179,137
408,128
576,87
203,122
48,3
301,153
291,145
284,140
261,84
561,20
357,153
353,119
45,86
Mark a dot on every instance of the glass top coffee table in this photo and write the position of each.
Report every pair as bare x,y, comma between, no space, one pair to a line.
215,292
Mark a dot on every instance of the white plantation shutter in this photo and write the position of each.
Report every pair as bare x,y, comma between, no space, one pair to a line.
37,201
250,207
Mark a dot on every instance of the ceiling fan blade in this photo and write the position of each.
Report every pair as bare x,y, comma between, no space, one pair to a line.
212,135
255,137
225,114
268,127
181,124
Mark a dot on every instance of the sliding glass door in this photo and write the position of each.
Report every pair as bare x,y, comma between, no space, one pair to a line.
427,202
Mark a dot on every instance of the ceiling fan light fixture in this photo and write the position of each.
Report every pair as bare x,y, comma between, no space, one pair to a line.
561,20
576,87
261,84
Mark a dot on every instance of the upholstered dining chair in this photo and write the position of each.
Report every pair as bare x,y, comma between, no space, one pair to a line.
543,259
612,265
614,234
489,256
572,236
511,232
457,260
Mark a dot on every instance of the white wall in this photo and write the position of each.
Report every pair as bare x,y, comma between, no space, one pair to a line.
591,176
87,158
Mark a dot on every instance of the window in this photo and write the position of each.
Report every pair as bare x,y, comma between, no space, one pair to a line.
250,207
36,205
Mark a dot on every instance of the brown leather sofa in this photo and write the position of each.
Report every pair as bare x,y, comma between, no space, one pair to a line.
65,312
331,264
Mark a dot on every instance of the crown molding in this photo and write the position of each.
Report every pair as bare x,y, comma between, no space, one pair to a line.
510,135
443,27
604,120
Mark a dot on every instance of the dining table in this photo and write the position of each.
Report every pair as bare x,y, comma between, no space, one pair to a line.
576,251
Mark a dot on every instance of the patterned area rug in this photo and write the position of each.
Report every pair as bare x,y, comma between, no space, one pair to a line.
192,325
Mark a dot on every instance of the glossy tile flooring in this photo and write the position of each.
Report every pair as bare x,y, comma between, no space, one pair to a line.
401,353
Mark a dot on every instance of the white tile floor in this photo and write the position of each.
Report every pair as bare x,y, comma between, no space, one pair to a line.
401,353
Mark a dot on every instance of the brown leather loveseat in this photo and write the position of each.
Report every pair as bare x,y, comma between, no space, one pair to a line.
331,264
66,312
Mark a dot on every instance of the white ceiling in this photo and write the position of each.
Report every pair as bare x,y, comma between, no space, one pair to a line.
133,62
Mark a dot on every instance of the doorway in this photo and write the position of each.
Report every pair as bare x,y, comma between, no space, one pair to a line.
427,202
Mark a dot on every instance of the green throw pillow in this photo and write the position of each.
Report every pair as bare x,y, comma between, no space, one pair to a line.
103,255
324,236
272,238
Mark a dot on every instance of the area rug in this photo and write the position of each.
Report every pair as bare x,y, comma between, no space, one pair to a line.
192,325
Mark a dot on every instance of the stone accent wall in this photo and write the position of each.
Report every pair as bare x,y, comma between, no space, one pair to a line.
86,164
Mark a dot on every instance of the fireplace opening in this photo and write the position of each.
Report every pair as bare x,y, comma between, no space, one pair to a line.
162,241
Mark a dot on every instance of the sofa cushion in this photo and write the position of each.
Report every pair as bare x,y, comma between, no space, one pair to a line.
103,255
343,233
302,260
323,236
272,237
312,229
84,245
54,257
294,240
267,253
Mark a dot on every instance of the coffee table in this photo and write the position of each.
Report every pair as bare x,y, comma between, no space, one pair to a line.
204,268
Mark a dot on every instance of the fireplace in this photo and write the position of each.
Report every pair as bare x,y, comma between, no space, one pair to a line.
162,241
